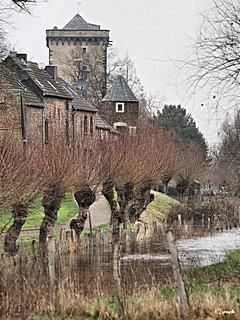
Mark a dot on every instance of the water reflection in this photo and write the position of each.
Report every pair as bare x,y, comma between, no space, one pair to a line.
197,251
210,249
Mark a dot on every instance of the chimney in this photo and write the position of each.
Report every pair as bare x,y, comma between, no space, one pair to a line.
52,70
22,56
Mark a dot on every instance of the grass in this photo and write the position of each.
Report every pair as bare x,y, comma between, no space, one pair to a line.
156,304
206,295
67,211
225,271
159,208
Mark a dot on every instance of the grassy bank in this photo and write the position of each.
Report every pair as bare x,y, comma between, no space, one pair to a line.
67,211
157,304
226,271
159,208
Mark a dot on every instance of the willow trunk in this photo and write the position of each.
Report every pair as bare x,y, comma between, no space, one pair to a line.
20,213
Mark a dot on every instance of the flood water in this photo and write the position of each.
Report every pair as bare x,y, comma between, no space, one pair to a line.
87,272
196,251
147,263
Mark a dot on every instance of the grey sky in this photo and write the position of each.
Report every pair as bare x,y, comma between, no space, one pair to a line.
151,32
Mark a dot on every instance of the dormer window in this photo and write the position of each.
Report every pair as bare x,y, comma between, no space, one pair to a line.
119,107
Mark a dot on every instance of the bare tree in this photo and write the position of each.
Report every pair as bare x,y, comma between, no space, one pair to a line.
87,181
56,167
126,67
88,66
137,162
215,64
22,5
228,156
18,186
192,167
7,8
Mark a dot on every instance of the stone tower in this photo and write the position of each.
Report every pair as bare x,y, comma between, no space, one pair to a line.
79,50
120,107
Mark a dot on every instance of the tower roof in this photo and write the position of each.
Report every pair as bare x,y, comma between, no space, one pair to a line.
120,91
78,23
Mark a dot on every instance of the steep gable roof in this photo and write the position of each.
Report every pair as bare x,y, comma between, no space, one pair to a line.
13,82
120,91
78,23
79,103
41,79
102,124
45,82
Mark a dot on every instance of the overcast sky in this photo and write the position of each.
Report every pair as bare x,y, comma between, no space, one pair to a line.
152,33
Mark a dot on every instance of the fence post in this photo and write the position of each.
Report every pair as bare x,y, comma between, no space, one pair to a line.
203,219
209,222
51,268
179,219
181,291
90,223
117,277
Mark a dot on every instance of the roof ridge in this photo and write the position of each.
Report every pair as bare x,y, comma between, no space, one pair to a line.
120,91
78,23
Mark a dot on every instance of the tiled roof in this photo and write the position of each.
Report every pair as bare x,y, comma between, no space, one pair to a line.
31,99
14,83
78,23
120,91
102,124
45,82
79,103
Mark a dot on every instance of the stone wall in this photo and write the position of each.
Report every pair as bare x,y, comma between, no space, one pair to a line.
62,42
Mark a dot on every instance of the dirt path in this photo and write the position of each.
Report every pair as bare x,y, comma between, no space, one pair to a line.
100,212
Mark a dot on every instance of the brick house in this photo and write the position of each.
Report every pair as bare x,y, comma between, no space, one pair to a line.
120,107
43,106
83,115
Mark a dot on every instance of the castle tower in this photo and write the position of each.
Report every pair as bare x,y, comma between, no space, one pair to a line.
79,50
120,107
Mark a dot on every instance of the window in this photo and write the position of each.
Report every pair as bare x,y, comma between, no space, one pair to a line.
67,132
132,131
84,51
52,86
39,83
46,131
67,105
85,126
119,107
91,125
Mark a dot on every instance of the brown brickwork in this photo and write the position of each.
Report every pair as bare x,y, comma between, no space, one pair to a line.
34,125
129,116
9,111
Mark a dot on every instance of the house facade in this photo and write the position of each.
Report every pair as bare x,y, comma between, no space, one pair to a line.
45,107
